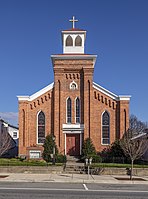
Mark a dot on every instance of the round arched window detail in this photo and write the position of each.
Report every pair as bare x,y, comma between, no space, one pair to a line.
73,85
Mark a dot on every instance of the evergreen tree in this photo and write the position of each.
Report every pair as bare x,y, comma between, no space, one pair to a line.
116,150
88,148
49,146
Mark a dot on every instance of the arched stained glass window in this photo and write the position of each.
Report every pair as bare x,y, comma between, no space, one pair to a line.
124,120
23,112
78,41
69,110
105,128
69,41
41,127
77,110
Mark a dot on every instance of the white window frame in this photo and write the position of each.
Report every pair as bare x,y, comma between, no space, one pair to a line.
14,134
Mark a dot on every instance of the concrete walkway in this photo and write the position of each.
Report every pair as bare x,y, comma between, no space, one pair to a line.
68,178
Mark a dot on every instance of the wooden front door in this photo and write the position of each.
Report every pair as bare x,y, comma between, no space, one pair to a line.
73,144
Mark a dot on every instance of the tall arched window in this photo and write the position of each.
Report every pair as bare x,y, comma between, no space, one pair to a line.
78,41
105,128
69,41
23,112
77,110
124,120
41,127
69,110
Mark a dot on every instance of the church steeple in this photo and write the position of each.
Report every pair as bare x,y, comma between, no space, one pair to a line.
73,40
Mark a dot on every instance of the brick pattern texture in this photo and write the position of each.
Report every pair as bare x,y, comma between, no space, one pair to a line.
53,104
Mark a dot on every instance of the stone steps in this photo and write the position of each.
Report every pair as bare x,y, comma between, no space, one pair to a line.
74,165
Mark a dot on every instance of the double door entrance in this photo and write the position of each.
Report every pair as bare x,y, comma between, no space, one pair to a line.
73,144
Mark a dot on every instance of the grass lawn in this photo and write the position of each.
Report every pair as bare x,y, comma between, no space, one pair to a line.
18,162
117,165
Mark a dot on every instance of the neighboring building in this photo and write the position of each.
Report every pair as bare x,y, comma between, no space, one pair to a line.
145,156
72,108
9,131
14,133
143,135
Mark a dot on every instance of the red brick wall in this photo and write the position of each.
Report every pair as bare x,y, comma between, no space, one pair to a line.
65,72
53,104
28,131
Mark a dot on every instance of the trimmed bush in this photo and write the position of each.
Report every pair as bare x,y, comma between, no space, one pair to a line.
88,148
61,158
96,159
49,144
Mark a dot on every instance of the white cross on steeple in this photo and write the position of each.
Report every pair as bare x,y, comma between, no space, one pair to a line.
73,20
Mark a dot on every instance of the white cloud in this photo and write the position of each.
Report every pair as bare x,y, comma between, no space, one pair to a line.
10,117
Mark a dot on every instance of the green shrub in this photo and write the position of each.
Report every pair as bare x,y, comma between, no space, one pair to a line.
113,153
49,145
61,158
88,149
96,159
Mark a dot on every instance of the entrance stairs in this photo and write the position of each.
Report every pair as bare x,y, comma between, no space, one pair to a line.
74,165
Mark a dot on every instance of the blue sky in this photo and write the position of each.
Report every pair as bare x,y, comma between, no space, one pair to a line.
117,31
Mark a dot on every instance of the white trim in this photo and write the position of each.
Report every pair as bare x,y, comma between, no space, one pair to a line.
124,98
65,145
81,144
105,91
110,94
37,126
73,127
102,126
72,131
37,94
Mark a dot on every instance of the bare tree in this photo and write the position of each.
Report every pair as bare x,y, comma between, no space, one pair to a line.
136,125
6,142
134,146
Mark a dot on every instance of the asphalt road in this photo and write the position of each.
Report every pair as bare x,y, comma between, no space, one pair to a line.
71,191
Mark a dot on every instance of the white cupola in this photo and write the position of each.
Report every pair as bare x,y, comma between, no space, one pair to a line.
73,40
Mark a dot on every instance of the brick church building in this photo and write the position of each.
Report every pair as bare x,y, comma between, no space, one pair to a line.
72,108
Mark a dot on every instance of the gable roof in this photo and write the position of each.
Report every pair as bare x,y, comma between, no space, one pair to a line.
7,124
110,94
37,94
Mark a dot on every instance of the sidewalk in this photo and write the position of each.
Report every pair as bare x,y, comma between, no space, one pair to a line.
68,178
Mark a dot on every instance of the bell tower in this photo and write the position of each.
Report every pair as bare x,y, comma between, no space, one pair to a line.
73,40
73,80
